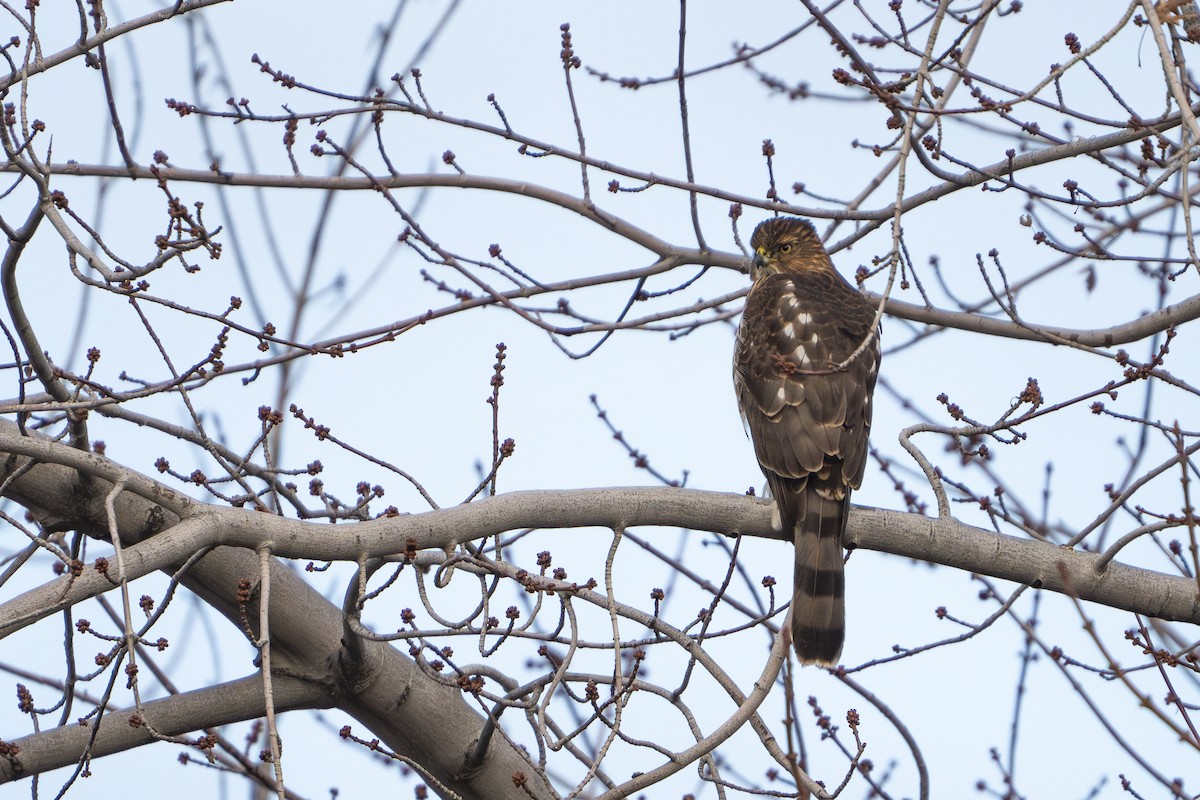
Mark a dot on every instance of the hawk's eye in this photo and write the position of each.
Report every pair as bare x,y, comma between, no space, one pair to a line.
786,247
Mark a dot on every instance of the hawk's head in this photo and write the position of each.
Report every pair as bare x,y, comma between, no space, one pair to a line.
786,244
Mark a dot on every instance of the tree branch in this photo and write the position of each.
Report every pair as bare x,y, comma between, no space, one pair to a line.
394,699
947,542
1121,333
224,704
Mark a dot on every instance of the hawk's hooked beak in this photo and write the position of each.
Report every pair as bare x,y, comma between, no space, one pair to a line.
760,260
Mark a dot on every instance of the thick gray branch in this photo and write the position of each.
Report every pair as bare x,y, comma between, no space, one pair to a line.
1027,561
400,706
210,707
946,541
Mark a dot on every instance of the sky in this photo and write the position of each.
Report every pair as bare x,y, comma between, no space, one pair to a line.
421,402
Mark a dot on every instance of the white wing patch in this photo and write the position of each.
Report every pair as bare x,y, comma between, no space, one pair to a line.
802,336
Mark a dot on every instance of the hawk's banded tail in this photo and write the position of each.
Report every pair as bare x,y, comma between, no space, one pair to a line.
818,594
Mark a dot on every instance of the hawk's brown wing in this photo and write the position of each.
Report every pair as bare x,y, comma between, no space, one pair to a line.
809,421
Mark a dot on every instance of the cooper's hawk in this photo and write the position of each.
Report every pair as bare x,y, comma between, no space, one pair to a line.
806,403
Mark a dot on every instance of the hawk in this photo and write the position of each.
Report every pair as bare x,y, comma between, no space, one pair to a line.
804,368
